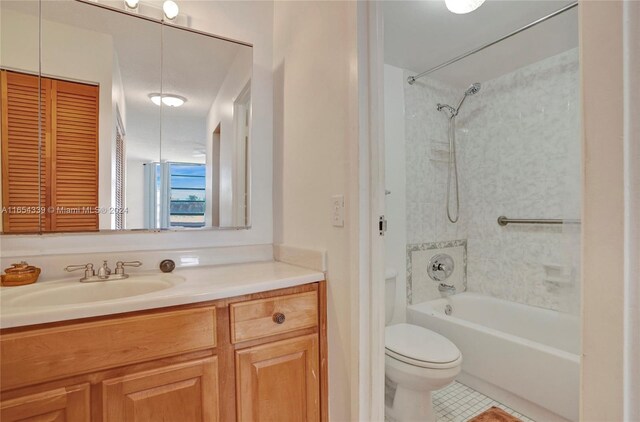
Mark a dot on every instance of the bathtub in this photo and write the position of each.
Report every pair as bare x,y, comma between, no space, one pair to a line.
526,357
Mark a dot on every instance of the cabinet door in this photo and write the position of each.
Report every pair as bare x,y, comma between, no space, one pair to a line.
23,152
279,381
185,392
74,156
69,404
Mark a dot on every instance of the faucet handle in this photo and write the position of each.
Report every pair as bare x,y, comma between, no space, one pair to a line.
88,269
121,264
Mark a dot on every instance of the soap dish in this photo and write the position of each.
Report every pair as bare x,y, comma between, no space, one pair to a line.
20,274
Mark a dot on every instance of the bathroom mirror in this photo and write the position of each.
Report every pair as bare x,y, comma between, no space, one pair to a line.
143,125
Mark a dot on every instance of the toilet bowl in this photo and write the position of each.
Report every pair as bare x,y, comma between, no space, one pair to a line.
417,362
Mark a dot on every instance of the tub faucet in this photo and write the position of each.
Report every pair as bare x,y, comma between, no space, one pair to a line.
447,289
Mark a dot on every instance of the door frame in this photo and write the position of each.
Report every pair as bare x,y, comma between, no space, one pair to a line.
371,317
622,351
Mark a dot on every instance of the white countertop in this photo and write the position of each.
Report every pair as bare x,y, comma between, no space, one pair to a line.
202,283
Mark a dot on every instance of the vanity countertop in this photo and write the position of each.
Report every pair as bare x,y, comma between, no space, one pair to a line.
197,284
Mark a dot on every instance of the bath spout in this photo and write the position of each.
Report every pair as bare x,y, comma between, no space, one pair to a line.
447,289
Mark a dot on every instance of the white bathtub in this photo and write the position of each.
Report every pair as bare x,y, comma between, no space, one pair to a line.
523,356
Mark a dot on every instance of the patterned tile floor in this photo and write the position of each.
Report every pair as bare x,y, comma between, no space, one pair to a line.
459,403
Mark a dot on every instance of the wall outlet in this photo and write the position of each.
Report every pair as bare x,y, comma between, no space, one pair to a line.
337,210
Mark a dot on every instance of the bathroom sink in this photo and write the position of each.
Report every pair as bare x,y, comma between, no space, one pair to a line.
68,292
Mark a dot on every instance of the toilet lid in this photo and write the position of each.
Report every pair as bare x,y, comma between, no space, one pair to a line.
419,344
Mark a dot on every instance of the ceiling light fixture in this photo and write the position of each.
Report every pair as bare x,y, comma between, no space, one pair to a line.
131,4
170,100
170,9
461,7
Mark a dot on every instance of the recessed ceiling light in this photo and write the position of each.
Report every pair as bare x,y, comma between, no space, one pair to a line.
461,7
131,4
169,100
170,9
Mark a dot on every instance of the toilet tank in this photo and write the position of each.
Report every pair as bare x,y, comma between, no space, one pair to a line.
389,293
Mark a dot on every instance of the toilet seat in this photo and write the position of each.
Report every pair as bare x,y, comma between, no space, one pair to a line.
418,346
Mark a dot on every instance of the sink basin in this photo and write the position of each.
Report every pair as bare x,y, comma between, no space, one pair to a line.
66,292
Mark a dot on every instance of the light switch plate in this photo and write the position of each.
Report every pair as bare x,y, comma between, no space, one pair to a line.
337,210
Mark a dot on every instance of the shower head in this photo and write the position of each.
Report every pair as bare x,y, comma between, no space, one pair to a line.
473,89
453,112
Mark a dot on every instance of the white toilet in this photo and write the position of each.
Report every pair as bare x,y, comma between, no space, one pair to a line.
417,362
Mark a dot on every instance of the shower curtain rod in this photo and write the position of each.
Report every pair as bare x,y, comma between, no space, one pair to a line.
412,79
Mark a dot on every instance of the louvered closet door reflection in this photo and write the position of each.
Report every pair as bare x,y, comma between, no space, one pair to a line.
74,156
23,168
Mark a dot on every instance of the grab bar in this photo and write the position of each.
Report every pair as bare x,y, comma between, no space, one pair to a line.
503,221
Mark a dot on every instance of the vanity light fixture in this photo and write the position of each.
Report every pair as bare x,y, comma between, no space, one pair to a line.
169,100
461,7
131,4
170,9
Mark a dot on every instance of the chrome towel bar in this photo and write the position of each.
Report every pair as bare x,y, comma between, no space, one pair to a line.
503,221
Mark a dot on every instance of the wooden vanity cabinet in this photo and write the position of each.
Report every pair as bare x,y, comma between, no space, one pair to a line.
200,362
56,405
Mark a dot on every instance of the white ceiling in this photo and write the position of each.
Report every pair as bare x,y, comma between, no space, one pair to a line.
423,34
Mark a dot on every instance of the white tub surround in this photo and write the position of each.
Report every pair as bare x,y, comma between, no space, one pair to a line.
195,284
518,146
523,356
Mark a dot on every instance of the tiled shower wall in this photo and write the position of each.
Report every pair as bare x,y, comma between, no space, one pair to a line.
519,156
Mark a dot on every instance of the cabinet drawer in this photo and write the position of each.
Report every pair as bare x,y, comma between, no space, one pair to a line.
51,353
260,318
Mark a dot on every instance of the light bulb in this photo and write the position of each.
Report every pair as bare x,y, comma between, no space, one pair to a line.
171,101
463,6
131,4
170,9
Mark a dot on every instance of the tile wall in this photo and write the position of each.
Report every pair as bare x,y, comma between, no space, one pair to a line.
518,155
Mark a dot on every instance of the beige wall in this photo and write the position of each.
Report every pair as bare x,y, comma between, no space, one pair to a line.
315,128
610,273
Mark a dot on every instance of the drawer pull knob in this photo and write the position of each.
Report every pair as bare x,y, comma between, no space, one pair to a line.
278,318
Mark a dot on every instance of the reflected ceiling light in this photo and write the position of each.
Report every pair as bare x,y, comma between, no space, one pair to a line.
170,9
169,100
463,6
131,4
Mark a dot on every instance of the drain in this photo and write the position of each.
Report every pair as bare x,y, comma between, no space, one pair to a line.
448,309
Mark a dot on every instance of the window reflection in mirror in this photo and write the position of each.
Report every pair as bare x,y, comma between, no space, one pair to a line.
206,121
150,132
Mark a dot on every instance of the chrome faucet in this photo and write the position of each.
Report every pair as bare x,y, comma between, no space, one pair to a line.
104,272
